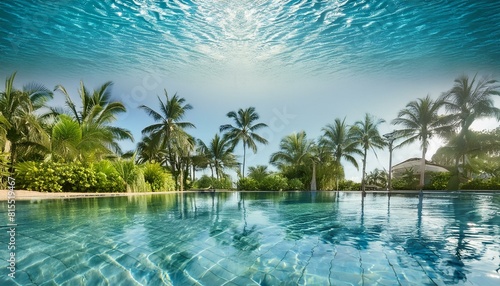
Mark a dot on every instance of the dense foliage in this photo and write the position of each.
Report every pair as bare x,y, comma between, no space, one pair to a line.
206,182
157,179
76,147
63,177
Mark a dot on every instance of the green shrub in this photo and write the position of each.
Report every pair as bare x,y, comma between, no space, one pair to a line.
157,178
482,184
4,170
274,183
348,185
72,177
208,182
438,181
77,178
139,185
41,177
204,182
247,184
128,170
108,178
295,185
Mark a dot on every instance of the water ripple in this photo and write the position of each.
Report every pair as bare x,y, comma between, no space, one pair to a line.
270,37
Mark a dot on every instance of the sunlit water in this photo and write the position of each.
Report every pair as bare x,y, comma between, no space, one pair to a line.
248,36
313,238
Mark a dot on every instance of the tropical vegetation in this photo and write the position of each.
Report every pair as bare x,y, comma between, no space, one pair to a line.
77,146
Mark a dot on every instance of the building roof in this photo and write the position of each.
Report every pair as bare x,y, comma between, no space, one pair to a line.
414,163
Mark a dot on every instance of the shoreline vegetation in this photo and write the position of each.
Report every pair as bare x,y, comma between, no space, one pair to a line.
25,195
75,148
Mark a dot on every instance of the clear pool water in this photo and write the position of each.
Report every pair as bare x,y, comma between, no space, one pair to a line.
306,238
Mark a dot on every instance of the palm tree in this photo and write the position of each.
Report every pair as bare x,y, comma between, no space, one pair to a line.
258,172
377,177
295,150
365,133
96,114
244,130
295,155
18,108
220,155
149,151
337,138
421,121
469,100
168,131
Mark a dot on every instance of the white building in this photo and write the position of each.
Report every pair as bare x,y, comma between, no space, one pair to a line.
413,165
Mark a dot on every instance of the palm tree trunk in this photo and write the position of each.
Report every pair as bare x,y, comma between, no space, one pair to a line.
313,179
193,172
364,171
244,156
422,169
181,180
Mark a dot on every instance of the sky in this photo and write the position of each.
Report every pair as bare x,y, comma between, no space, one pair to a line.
301,64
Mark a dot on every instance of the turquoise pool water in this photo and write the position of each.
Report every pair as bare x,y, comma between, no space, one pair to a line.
307,238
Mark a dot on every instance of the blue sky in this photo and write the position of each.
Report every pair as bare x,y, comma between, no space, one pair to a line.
301,64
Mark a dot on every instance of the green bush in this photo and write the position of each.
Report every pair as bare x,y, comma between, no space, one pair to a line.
139,185
348,185
108,179
157,178
4,170
247,184
274,183
208,182
482,184
62,177
204,182
77,178
41,177
128,170
295,185
438,181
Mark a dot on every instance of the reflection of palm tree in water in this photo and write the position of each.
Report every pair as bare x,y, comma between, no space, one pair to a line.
432,250
247,239
226,232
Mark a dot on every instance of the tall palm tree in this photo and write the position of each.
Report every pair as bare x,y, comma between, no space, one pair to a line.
420,121
244,130
220,154
469,100
18,108
366,134
168,131
338,139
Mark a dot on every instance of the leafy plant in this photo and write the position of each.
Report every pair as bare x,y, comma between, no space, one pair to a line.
128,171
157,178
492,183
74,177
247,184
295,185
274,183
348,185
208,182
439,181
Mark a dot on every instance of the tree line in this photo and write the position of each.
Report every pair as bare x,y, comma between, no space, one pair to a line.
83,132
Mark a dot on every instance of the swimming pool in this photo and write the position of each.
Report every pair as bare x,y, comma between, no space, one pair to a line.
233,238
